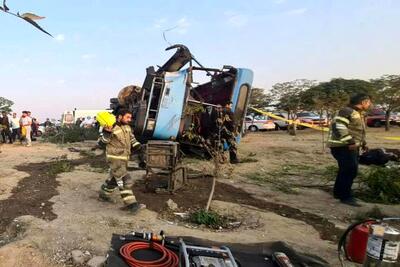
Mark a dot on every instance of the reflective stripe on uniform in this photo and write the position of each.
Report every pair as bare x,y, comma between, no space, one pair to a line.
346,138
105,187
135,144
340,126
343,119
129,199
118,157
107,190
126,192
335,142
104,140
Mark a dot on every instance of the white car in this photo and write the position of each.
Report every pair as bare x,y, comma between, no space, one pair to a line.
312,118
258,123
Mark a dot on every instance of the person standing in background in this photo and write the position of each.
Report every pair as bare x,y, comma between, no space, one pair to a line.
32,126
5,128
35,127
26,130
16,131
78,122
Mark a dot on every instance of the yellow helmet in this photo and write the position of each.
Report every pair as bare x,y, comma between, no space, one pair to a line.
105,118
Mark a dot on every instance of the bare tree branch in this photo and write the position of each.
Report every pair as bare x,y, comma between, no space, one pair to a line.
28,17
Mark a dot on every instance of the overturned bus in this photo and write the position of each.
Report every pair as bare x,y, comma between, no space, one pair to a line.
171,103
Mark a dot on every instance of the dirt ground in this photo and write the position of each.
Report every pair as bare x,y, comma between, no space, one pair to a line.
44,216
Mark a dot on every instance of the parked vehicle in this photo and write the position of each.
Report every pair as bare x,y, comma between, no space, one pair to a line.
280,124
312,118
259,123
377,118
54,127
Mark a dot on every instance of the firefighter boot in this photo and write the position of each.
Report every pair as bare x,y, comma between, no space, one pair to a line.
103,196
134,207
105,193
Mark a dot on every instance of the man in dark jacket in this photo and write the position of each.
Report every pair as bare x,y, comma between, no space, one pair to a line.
346,138
5,125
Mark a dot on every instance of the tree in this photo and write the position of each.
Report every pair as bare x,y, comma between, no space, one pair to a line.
287,96
28,17
258,98
388,95
5,104
328,97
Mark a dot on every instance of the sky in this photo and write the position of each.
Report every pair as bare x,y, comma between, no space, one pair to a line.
101,46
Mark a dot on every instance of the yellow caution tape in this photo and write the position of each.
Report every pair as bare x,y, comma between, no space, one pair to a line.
394,138
308,125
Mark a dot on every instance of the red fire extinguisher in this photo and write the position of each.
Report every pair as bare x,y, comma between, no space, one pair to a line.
362,245
357,243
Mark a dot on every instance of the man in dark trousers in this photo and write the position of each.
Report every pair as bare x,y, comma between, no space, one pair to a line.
5,123
346,138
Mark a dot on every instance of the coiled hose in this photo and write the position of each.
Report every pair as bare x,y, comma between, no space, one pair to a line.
168,258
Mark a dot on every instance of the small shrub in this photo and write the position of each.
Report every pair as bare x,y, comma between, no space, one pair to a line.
73,134
381,184
209,218
59,166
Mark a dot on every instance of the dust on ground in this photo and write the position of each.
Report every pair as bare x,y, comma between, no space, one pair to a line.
62,213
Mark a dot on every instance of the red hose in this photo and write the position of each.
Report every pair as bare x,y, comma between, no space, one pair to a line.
168,258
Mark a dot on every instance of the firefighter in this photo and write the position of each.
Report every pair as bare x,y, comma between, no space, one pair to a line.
119,141
228,132
346,138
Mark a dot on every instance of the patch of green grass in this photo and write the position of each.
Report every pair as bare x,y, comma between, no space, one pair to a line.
328,173
59,166
248,160
282,177
279,184
257,176
287,170
208,218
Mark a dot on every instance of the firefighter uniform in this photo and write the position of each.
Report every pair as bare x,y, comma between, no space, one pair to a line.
119,143
347,128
